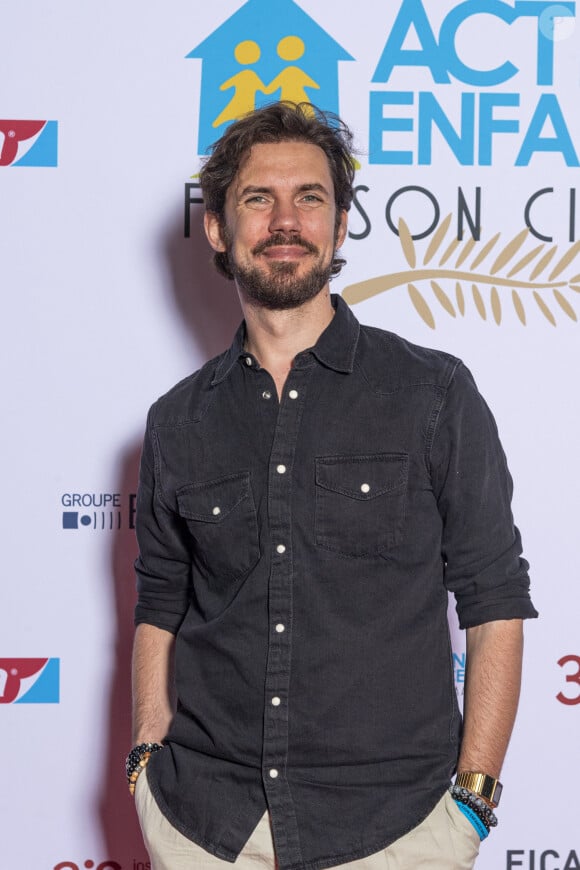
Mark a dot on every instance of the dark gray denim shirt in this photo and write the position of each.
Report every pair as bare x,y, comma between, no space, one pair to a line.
302,552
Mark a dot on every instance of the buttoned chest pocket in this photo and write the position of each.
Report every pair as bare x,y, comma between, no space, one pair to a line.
221,518
360,502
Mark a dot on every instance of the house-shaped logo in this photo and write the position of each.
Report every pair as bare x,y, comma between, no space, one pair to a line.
264,52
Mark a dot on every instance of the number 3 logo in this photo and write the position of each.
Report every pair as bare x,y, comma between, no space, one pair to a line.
574,677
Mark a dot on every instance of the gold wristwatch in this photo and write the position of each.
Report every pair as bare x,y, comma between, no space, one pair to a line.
481,784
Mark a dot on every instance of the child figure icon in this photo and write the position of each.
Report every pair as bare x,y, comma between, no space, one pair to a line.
292,81
246,84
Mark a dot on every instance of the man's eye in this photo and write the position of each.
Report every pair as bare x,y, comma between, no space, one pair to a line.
311,197
256,199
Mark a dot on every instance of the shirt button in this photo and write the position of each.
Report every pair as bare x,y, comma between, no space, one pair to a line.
273,773
281,469
293,394
280,549
276,702
266,394
365,487
248,360
280,628
216,511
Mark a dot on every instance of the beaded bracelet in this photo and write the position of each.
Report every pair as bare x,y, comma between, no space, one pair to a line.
464,796
137,760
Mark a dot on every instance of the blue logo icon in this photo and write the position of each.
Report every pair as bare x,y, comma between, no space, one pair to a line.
259,56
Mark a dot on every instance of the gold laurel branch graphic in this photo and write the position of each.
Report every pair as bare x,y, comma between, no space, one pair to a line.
540,287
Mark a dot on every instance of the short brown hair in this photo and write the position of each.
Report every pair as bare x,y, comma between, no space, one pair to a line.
278,122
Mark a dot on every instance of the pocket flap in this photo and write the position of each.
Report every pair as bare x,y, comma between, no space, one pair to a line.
362,477
213,500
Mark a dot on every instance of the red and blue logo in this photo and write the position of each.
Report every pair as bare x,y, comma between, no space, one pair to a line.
29,681
28,143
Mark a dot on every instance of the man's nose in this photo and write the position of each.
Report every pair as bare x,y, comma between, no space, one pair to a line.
285,217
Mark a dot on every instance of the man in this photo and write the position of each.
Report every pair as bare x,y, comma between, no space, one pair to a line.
306,501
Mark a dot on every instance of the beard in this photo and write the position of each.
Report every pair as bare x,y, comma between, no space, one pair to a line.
278,287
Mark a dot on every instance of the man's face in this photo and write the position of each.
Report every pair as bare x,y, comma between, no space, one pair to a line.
280,229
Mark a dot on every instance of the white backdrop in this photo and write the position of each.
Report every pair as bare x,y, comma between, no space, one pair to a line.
107,303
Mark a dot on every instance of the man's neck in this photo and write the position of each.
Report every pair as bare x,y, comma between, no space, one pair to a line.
276,337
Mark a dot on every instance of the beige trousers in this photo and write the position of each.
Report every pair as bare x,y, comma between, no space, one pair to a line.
445,840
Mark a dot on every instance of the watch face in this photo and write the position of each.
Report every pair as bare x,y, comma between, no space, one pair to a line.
497,793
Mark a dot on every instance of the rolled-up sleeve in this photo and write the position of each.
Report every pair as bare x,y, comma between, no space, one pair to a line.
163,566
481,546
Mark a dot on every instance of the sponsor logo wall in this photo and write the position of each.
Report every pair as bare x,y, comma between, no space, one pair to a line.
464,235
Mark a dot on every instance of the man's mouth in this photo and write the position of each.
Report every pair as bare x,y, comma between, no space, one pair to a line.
285,252
284,248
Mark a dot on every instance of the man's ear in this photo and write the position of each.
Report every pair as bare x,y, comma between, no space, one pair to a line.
214,231
342,228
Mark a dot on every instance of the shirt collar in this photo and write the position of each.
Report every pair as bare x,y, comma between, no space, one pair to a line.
227,360
336,347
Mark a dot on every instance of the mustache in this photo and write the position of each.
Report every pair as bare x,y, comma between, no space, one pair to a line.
278,240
